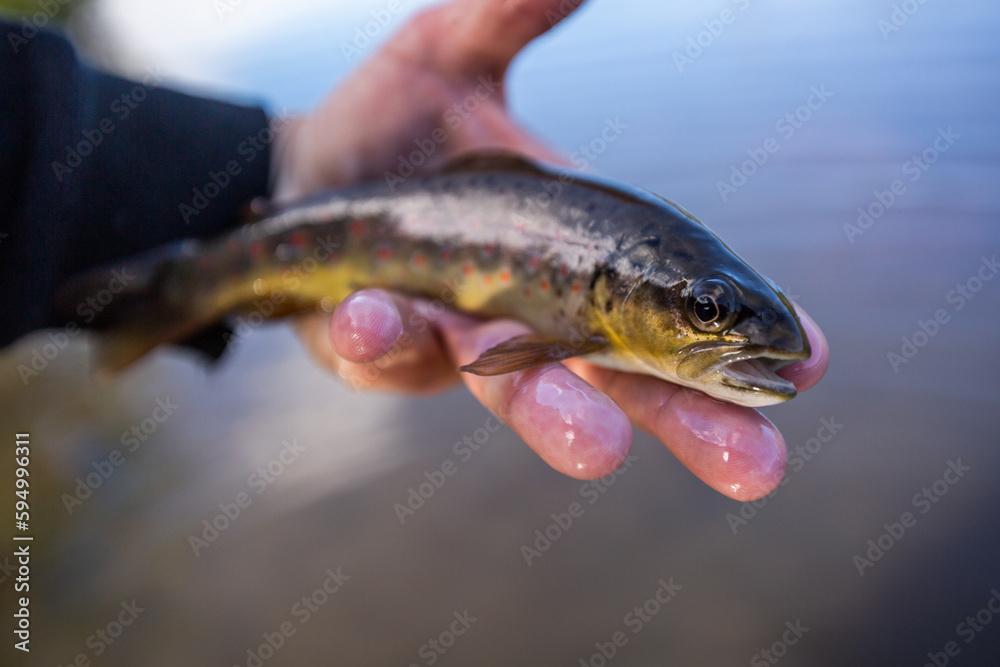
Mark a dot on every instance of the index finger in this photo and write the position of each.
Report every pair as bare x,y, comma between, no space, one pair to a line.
805,374
484,35
734,449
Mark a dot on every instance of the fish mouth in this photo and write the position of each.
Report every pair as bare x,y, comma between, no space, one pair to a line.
743,369
757,374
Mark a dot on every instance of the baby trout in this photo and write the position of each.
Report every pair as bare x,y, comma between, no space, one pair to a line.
599,270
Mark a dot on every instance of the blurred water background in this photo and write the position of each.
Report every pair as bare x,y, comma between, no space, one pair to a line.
782,575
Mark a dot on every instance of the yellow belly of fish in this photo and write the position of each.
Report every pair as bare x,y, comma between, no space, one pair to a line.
290,290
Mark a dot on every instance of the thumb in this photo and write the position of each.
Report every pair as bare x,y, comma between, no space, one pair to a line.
483,36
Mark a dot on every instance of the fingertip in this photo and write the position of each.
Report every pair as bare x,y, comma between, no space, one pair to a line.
735,450
572,426
806,374
365,326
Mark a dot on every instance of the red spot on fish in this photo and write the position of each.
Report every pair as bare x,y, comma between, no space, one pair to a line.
357,228
576,288
445,254
505,276
564,270
298,239
544,285
383,254
487,279
256,249
420,260
535,261
467,268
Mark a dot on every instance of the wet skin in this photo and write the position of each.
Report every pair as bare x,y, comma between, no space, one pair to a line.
575,416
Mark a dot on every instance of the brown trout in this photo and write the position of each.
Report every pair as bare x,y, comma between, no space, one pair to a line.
606,271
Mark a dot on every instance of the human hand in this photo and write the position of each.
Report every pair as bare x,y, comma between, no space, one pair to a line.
575,416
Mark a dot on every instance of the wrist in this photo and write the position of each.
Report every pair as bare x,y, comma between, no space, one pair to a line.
284,178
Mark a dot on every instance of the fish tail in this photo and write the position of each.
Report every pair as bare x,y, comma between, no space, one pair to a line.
130,304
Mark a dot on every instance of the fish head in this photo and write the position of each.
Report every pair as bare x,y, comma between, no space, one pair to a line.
724,332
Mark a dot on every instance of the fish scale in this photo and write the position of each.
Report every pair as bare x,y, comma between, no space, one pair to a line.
596,269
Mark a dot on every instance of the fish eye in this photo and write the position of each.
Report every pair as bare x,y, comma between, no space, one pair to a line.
712,305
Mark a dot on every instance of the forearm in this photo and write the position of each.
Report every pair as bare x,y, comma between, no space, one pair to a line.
94,167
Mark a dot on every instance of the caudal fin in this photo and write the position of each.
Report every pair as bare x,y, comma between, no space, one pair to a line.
131,305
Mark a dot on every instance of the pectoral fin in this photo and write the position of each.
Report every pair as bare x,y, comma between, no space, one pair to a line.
529,350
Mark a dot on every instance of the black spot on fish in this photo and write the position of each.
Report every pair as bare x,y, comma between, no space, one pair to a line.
608,306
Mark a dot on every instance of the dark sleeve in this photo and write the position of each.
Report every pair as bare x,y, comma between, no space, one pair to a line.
94,167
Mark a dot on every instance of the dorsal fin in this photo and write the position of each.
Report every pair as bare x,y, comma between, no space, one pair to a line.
500,159
495,159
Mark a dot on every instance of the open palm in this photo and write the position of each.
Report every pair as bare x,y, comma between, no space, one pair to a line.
433,91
